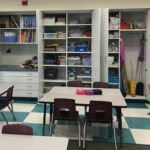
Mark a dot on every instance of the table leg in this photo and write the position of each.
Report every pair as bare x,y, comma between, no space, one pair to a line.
118,111
51,112
85,109
44,118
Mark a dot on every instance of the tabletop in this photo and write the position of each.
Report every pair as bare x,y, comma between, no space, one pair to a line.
26,142
108,94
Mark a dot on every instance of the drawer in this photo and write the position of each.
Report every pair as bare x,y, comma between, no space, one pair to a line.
23,93
18,74
20,86
18,79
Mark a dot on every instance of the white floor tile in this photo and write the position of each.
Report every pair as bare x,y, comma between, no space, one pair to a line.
141,136
124,123
131,112
22,107
36,118
81,110
66,131
148,105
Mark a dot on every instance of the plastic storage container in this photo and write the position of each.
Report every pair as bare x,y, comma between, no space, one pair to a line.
81,48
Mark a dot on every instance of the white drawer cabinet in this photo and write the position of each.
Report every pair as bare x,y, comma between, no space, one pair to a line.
25,93
20,86
25,83
18,74
18,79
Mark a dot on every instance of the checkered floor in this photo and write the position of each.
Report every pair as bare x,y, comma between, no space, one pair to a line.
136,122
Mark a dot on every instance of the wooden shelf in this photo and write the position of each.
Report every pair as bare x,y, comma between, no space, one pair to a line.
54,81
79,24
113,52
79,52
137,97
53,65
79,66
79,37
132,30
115,66
55,25
54,52
54,38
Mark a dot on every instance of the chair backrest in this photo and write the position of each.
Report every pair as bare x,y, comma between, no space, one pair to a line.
9,94
101,85
64,109
100,111
75,83
17,129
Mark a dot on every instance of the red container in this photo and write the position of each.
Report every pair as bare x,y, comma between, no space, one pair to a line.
80,92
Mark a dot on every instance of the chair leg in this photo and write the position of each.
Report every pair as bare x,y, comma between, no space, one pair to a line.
79,124
115,138
4,117
12,112
84,130
52,126
110,130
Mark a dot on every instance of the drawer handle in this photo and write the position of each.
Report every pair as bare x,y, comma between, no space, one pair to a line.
29,79
29,74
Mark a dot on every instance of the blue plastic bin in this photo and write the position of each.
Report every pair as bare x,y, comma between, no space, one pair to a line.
81,48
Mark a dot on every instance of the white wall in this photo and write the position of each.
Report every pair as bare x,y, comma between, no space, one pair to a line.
15,5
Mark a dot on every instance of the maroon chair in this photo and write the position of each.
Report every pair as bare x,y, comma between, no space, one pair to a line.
75,83
64,109
99,112
5,103
17,129
101,85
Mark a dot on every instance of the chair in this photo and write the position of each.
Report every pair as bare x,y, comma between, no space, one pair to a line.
101,85
99,112
75,83
5,103
64,109
17,129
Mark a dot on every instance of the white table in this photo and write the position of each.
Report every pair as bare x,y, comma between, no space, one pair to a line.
26,142
108,94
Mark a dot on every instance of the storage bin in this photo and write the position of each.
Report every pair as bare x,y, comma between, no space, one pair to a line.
80,91
62,60
50,49
50,73
71,48
61,35
50,61
61,48
49,21
50,35
113,79
81,48
86,61
9,39
61,19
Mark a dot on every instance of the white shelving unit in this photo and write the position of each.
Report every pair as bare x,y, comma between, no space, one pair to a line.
138,21
89,24
15,48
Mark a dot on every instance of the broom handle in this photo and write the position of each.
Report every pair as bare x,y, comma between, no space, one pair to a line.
131,70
